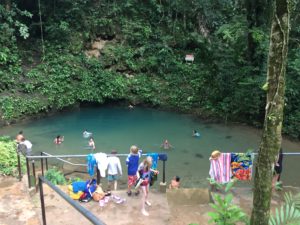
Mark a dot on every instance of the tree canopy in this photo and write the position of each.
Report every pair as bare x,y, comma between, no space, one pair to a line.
44,65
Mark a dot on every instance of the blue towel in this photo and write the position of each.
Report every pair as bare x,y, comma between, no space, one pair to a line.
79,186
154,157
162,156
91,162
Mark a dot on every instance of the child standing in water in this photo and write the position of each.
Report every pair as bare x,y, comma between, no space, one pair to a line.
132,162
144,172
175,183
19,137
166,145
58,140
92,144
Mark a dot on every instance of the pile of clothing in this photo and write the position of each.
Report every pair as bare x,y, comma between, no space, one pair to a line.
82,190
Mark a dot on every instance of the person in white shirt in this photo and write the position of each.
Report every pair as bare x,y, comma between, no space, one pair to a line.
27,144
113,170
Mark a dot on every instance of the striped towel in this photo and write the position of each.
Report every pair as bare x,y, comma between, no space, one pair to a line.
220,169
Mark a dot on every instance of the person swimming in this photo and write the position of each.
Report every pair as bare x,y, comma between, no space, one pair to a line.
196,133
87,134
166,145
58,140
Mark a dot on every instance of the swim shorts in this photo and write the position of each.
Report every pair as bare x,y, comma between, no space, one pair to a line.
132,180
112,177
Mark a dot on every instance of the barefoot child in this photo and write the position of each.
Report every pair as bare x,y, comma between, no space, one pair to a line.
144,172
132,163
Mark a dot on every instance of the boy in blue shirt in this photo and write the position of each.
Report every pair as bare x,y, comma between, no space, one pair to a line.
132,162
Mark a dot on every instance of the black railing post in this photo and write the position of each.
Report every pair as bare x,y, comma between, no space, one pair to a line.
42,164
85,212
28,172
42,201
98,176
164,171
33,171
19,167
46,164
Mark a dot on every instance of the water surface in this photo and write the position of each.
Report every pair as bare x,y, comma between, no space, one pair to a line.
119,128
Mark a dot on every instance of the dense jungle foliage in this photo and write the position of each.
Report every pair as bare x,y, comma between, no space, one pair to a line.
44,66
9,164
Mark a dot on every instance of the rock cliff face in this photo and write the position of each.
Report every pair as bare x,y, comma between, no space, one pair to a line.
96,46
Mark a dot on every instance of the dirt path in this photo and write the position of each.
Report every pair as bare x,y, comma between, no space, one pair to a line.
16,206
180,207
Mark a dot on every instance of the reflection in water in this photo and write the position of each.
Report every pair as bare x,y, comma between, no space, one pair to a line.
119,128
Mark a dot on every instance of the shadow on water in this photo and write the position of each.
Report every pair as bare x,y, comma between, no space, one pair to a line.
198,155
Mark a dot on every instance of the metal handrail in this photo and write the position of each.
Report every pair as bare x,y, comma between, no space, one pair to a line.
68,162
86,213
284,153
71,156
45,155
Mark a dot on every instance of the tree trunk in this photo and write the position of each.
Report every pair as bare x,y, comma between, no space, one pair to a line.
271,137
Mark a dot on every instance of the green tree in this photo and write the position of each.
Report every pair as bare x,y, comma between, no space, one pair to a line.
271,137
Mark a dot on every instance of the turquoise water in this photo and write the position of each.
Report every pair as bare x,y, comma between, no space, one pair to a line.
119,128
